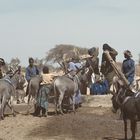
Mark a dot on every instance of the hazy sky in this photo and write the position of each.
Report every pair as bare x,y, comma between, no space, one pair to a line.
32,27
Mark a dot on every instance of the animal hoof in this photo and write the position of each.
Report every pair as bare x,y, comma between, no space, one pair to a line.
14,115
62,113
80,104
23,101
2,118
18,102
114,110
44,115
132,138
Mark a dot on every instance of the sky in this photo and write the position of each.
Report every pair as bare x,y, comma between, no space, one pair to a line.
30,28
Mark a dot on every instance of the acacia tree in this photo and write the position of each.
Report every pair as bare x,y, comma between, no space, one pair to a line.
63,52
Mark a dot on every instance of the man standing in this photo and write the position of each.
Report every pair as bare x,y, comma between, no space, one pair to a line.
73,67
31,71
93,62
128,67
106,68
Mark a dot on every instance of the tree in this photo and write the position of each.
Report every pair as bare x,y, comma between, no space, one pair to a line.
63,52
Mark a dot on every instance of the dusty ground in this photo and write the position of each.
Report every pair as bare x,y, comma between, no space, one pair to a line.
93,121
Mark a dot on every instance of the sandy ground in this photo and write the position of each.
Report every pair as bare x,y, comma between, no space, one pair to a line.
93,121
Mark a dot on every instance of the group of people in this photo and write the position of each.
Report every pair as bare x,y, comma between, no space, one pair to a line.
106,70
32,70
128,65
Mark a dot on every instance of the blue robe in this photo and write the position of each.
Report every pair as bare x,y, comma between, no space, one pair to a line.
128,69
31,72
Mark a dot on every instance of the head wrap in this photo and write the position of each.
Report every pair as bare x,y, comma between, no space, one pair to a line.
93,51
127,53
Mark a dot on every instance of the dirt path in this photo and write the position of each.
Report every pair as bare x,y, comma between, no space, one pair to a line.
89,123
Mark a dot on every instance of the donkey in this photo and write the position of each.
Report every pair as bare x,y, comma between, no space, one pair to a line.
64,87
8,90
66,90
33,88
129,103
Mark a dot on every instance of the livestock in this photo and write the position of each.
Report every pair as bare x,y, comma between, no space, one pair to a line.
129,103
20,94
7,91
117,84
85,80
66,88
33,88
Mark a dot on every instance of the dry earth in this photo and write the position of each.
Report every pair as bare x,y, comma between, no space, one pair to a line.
93,121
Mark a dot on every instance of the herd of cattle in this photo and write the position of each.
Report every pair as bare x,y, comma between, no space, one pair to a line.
123,98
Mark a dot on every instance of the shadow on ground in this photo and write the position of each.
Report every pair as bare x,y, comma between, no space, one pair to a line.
86,124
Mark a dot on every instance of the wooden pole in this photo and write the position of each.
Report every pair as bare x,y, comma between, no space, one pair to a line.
117,71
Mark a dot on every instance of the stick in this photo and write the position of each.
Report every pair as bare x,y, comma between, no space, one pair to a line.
117,71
